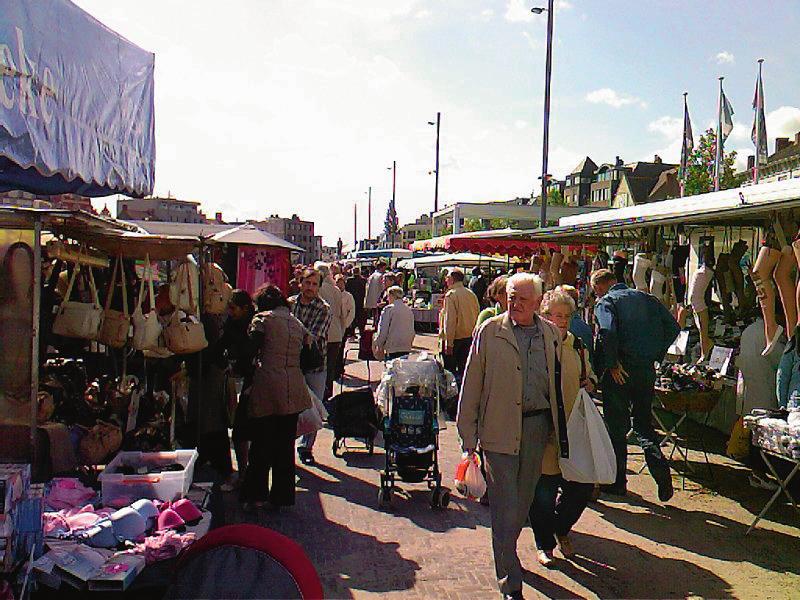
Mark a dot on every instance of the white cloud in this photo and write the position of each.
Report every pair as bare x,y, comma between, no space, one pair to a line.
533,43
783,122
724,58
520,124
613,98
669,127
487,13
423,14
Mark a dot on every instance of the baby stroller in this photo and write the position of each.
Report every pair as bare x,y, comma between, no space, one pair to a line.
353,414
411,437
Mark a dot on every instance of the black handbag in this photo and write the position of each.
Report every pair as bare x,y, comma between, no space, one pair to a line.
311,358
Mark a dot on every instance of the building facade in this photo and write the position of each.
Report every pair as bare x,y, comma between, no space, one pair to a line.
784,163
297,231
418,230
170,210
578,184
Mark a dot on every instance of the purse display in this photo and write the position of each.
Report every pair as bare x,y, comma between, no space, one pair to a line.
184,287
115,325
185,335
79,319
216,291
146,327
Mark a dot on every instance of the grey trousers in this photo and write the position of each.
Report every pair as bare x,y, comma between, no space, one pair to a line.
512,482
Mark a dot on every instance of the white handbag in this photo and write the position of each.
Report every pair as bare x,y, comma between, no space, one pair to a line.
184,287
79,319
115,325
146,327
591,455
186,334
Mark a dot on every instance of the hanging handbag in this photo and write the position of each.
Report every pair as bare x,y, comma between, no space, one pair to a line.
146,328
216,291
185,335
311,358
79,319
116,325
184,287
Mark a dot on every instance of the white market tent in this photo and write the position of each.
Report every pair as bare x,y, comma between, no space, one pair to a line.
459,259
250,235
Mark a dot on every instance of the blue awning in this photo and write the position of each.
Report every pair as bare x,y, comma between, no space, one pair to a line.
76,104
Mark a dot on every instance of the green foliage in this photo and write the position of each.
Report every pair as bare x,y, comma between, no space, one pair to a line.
555,197
472,225
700,176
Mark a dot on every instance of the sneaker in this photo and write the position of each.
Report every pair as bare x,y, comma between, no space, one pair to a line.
306,457
665,489
545,558
565,545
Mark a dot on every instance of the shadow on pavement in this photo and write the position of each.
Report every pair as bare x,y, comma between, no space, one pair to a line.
614,569
704,533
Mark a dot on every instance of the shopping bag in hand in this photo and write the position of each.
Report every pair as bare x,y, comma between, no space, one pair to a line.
469,480
312,419
591,456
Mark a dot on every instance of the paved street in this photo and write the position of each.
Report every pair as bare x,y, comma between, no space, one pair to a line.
692,547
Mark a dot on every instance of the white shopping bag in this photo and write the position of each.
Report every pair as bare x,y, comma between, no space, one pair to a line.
591,455
312,419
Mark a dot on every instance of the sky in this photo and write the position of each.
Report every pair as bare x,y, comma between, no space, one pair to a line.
298,106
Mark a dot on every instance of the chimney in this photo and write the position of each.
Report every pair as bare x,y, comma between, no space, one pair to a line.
218,217
751,162
781,143
797,138
618,162
657,159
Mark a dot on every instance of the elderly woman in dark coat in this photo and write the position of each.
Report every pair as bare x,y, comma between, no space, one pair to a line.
279,394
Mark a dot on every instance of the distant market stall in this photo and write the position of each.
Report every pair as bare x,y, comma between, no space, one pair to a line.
502,242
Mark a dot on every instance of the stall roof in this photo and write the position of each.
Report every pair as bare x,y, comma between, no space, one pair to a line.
250,235
384,253
88,127
502,242
459,259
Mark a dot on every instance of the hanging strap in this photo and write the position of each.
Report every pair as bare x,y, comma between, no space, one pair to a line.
192,310
147,273
92,286
111,286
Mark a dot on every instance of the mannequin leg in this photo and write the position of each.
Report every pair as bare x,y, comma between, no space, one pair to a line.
784,279
706,343
641,263
723,267
762,278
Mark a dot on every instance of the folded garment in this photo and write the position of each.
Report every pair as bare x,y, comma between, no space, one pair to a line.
68,492
72,521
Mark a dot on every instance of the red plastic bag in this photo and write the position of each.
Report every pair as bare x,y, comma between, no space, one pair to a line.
469,480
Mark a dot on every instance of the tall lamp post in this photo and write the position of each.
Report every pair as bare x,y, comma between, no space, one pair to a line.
546,130
369,213
436,188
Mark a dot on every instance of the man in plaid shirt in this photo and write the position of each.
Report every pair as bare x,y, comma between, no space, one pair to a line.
315,314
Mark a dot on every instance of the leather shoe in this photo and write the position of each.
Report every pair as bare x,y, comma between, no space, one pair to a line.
665,489
513,595
614,489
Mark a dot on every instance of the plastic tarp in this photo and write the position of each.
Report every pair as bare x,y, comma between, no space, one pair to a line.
76,104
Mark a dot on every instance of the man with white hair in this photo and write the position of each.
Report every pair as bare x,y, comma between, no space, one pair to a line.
510,405
459,315
396,326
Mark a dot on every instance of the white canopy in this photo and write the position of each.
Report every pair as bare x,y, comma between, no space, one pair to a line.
459,259
250,235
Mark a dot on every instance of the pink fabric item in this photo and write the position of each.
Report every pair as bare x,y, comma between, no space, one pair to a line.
259,265
169,519
67,492
163,545
72,520
187,510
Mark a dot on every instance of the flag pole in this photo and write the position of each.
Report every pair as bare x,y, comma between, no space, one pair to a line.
718,155
759,133
684,154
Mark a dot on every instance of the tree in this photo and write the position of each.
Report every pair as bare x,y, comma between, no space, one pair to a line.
390,226
555,197
700,171
472,225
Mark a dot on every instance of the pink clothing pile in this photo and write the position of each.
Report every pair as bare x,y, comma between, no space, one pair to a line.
163,545
68,492
73,520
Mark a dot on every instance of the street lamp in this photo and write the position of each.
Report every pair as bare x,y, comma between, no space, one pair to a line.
546,129
393,169
369,213
436,189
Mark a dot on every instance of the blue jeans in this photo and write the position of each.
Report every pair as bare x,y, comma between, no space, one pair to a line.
554,515
630,405
316,381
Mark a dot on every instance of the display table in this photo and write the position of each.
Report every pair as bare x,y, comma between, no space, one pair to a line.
783,483
426,318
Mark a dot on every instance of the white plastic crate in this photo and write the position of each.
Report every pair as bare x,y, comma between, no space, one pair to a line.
120,490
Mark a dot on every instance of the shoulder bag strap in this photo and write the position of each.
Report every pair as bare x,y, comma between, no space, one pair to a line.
75,272
141,286
93,289
150,282
124,283
189,287
111,286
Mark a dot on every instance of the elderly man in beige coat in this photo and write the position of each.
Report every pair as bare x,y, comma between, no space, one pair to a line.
510,405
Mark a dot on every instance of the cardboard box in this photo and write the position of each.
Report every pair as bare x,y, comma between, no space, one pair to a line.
117,574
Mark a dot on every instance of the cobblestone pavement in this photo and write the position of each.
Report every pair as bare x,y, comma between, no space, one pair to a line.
633,548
